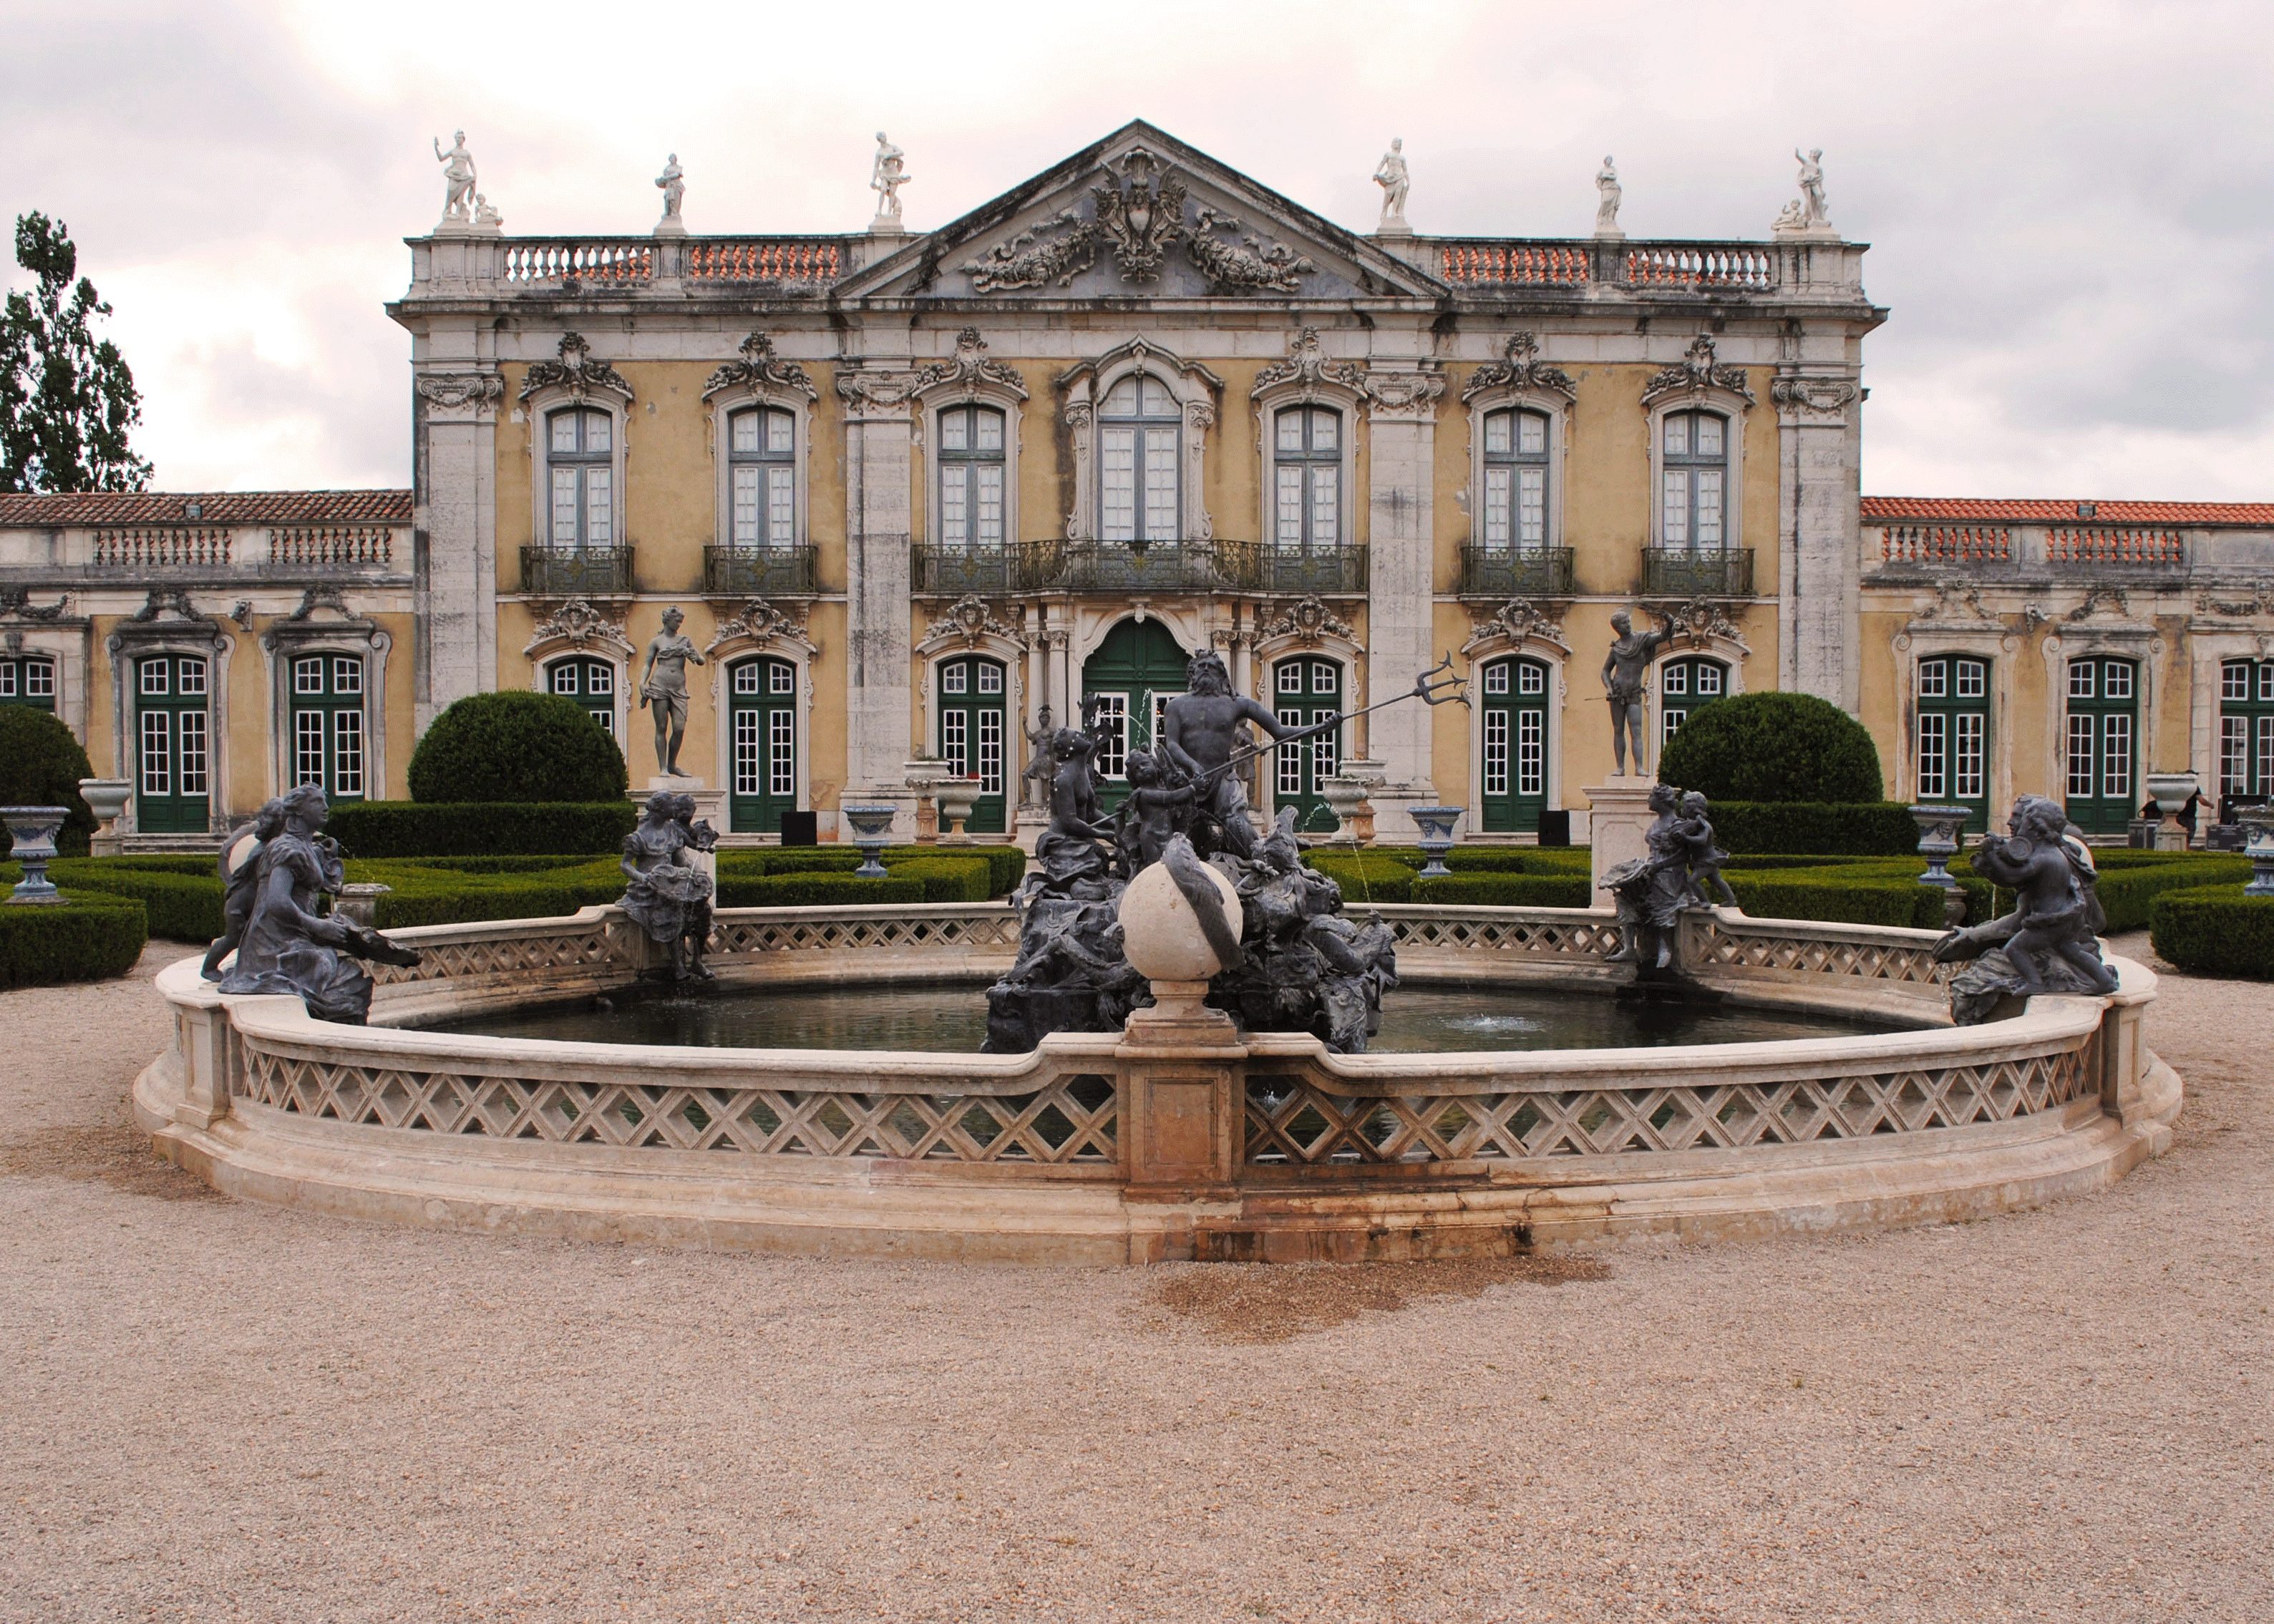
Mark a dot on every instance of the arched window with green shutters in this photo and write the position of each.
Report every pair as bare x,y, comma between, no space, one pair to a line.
2246,727
591,682
1514,771
1306,692
1954,735
2101,744
762,741
328,737
173,740
28,680
971,705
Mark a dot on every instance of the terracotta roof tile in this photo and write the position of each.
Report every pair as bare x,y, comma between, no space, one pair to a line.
2035,511
109,507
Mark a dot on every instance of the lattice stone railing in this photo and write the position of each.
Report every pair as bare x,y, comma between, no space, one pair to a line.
976,928
1713,942
1302,1118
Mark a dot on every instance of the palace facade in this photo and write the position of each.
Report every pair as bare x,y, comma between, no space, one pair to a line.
909,489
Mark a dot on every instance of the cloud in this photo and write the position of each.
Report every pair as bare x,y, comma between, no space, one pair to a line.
2069,204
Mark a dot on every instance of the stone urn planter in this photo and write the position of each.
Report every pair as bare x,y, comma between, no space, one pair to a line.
1436,835
106,799
32,836
2258,846
956,797
1940,830
2171,792
872,831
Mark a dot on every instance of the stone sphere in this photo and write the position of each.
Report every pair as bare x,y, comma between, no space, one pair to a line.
1160,933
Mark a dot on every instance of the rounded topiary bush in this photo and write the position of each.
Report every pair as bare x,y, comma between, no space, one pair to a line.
516,746
41,765
1773,747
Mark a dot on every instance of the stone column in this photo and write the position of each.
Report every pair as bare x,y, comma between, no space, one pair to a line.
455,404
1401,596
1819,536
1062,695
878,531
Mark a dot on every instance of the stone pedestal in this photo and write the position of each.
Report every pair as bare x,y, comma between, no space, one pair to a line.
1027,827
710,807
1181,1121
1618,819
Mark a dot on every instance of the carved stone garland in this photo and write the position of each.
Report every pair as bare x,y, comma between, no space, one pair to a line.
1522,370
1699,620
1518,620
1306,363
1698,370
1307,620
580,625
761,622
576,371
1250,267
760,369
968,621
969,367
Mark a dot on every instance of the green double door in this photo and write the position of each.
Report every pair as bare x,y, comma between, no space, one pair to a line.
1127,682
1307,693
762,739
972,717
173,743
2102,745
1514,718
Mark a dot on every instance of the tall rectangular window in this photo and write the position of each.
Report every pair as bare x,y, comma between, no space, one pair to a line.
762,467
1516,479
1694,456
1138,424
579,454
1307,452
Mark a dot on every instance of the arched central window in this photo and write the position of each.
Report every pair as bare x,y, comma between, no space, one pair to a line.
760,444
579,448
1308,452
970,478
1695,475
1516,480
1137,427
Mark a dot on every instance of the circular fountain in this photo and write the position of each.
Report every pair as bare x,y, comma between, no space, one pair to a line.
1178,1138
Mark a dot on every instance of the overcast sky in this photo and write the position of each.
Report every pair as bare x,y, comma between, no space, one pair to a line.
2069,204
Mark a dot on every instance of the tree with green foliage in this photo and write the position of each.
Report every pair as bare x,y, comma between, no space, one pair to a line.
67,401
41,762
1773,747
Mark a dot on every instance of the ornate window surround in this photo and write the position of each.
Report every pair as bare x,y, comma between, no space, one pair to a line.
969,378
577,628
1308,376
1699,383
1990,640
1196,391
2208,650
574,380
187,631
1516,629
760,380
760,628
2077,636
301,633
1520,383
65,640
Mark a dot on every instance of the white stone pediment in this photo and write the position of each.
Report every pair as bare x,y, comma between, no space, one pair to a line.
1141,216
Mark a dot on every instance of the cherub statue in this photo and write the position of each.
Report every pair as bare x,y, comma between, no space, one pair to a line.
1154,813
668,897
1705,857
2049,942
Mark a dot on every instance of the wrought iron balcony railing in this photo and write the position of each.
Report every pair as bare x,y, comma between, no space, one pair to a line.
1673,572
1117,566
1331,571
575,572
1522,572
951,572
762,572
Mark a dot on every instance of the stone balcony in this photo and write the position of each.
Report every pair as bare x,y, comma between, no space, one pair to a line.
1521,572
1674,572
1116,566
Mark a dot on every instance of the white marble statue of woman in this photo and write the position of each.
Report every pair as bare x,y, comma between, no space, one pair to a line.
1606,200
1394,182
887,177
1812,187
458,178
673,183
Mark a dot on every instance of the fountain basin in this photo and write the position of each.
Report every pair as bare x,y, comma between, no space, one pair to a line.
1097,1149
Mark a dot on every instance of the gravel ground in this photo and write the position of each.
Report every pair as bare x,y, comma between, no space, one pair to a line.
218,1411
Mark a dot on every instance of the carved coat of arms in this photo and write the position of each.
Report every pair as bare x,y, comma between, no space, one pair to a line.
1142,216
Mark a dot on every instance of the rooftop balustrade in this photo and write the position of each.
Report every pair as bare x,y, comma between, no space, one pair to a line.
1993,550
241,552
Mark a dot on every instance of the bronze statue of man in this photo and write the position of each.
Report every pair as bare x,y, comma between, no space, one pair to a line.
1622,673
1197,733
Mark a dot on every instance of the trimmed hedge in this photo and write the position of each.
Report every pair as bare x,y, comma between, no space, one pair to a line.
822,890
1859,829
1505,891
482,828
40,765
1365,878
516,745
178,906
92,936
2129,891
1773,746
2216,930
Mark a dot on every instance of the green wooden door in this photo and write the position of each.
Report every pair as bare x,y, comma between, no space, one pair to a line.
1683,686
1304,693
173,746
328,729
1953,736
2246,727
591,682
1131,678
762,711
29,681
1515,721
2102,739
971,723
